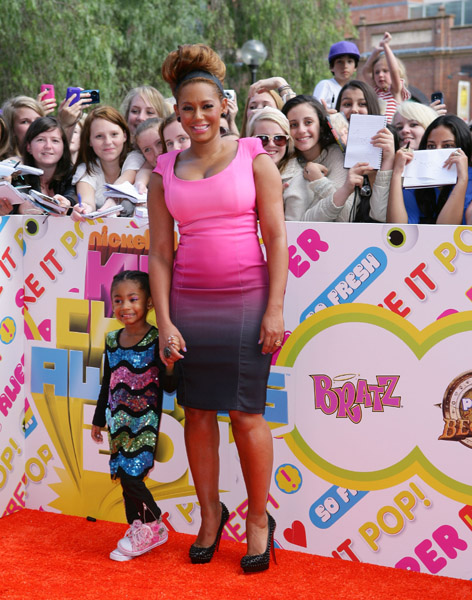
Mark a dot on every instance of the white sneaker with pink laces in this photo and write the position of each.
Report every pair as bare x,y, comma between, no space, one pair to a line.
142,537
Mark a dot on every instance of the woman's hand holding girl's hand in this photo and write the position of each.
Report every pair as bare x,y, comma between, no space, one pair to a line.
97,434
264,85
458,158
171,344
314,171
48,105
272,330
384,139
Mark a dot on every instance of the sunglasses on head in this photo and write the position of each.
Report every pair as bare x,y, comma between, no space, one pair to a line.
279,140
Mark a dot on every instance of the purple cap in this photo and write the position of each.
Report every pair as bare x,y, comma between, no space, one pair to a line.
340,48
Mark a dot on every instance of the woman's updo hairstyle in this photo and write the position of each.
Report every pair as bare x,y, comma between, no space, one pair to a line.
189,58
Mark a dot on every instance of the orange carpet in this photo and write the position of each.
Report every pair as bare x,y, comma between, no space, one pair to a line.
47,556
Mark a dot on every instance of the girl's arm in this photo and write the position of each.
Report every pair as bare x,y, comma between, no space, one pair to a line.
397,83
99,419
87,195
142,179
379,200
271,219
161,260
453,210
365,72
279,84
396,211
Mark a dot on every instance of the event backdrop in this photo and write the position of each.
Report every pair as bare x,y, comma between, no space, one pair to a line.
369,399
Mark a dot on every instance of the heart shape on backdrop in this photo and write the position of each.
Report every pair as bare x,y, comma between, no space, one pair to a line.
419,342
296,534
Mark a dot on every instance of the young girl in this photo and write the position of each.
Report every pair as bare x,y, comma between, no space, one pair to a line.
322,189
45,146
130,403
104,144
357,98
445,205
173,135
386,74
148,140
410,122
19,112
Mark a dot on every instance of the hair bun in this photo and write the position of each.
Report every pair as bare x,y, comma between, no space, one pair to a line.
191,57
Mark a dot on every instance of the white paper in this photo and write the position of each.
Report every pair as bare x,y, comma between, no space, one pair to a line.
427,170
362,128
125,190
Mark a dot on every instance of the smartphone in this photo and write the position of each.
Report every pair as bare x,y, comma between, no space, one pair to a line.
230,94
94,96
49,88
437,96
71,91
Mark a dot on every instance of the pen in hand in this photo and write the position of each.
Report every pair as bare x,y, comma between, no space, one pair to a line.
407,147
79,198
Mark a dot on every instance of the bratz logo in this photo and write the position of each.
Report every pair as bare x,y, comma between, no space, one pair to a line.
347,401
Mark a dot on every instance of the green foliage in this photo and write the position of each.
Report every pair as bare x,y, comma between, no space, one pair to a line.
114,45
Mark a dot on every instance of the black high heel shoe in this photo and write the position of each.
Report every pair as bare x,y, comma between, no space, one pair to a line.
200,555
253,563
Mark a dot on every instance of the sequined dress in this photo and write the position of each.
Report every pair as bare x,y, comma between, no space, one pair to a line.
130,402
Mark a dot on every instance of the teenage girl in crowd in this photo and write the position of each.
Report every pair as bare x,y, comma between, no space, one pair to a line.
104,145
18,113
343,60
259,99
140,103
387,75
272,127
357,98
173,135
148,141
445,205
411,121
224,306
45,146
321,189
130,404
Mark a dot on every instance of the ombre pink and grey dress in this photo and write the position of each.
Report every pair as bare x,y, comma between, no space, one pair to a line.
220,284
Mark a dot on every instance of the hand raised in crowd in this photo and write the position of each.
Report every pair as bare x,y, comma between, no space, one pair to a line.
233,108
49,105
440,108
384,139
314,171
69,114
387,38
330,111
402,158
265,85
63,201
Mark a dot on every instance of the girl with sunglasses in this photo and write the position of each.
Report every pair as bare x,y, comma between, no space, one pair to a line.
272,128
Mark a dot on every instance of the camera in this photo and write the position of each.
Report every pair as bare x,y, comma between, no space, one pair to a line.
230,94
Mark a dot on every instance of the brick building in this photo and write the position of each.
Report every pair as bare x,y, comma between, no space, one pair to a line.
434,40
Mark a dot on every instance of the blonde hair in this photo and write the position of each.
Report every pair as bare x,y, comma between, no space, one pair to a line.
278,103
152,96
401,68
415,111
273,114
9,109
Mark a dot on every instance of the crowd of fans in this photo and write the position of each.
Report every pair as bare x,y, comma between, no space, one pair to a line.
84,148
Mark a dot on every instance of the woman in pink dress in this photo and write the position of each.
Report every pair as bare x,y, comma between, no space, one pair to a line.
219,297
